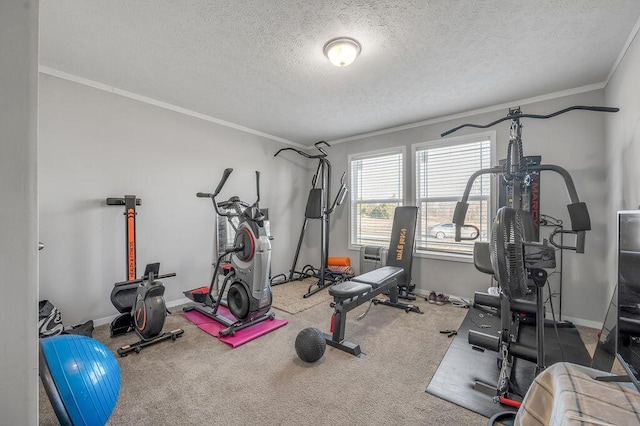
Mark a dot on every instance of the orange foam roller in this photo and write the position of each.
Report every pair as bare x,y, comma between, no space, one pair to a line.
339,261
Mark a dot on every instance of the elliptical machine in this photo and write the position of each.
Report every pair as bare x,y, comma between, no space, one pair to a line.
247,269
140,301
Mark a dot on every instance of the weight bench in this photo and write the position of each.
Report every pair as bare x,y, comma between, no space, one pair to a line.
351,294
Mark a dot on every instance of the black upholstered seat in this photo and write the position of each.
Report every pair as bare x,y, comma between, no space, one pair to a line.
349,289
379,276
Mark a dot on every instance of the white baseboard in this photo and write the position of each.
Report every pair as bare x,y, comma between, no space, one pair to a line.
107,320
577,321
178,302
581,322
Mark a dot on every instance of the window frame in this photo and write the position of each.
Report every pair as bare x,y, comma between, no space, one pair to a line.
402,150
440,143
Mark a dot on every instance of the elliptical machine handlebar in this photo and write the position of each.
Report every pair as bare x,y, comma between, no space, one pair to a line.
257,188
225,176
234,202
227,172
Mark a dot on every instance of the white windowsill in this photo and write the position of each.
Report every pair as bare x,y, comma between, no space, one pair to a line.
449,257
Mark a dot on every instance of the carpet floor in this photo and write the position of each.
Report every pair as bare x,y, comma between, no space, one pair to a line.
200,380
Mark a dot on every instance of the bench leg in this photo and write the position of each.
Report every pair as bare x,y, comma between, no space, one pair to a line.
404,306
336,340
394,303
344,345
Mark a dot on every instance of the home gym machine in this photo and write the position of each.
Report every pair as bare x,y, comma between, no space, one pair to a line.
319,206
140,301
513,255
246,268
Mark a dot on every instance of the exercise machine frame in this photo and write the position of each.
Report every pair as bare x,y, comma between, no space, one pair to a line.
319,206
351,294
138,299
249,262
517,174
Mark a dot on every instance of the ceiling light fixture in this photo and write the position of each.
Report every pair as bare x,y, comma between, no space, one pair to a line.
342,51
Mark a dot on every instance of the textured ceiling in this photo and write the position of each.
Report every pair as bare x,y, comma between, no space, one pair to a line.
259,64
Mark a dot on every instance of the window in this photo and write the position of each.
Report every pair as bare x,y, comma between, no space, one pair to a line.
442,169
376,190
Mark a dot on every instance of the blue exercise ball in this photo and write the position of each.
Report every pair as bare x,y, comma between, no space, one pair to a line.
310,344
81,377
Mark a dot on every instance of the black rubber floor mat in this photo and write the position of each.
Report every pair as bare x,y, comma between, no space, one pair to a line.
463,365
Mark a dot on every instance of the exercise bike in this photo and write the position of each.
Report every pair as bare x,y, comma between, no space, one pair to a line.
140,301
245,266
142,309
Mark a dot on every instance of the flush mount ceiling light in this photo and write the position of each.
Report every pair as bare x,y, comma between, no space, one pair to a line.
342,51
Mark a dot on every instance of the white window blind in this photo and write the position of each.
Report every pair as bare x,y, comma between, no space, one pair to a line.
441,174
376,190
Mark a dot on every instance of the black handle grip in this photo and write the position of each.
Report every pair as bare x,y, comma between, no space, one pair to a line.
603,109
319,148
203,195
225,176
580,240
258,186
580,237
474,235
139,280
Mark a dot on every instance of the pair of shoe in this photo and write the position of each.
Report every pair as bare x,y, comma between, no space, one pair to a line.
438,299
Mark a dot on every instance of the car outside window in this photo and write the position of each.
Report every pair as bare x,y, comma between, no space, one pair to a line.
442,169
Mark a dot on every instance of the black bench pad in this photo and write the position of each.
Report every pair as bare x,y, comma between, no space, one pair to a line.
379,276
363,284
348,289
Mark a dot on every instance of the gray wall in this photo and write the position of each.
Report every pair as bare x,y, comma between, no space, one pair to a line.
95,145
623,147
575,141
18,212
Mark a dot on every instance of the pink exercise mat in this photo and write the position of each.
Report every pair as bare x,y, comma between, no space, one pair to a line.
241,337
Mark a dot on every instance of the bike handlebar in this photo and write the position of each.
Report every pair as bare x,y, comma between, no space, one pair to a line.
517,114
